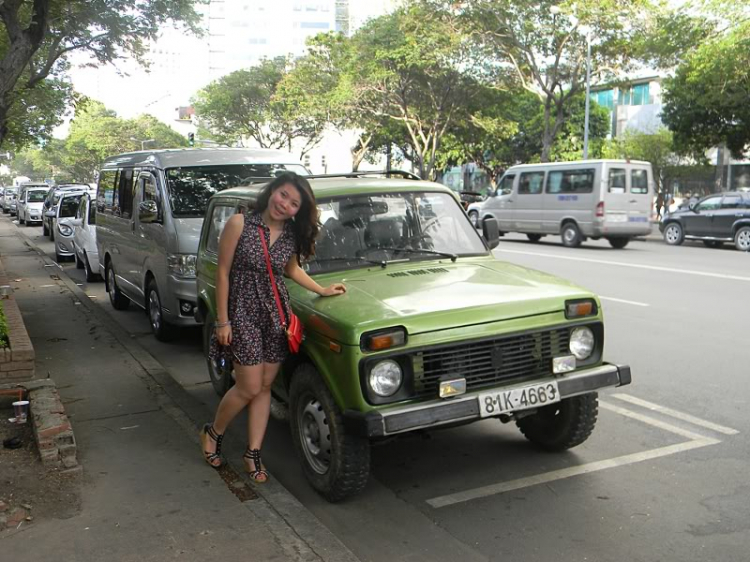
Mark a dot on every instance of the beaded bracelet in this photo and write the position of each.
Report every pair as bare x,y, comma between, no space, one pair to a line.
222,324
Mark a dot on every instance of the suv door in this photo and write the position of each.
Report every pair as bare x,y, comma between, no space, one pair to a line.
699,222
732,209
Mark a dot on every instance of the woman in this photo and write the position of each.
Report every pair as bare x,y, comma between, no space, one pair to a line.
248,322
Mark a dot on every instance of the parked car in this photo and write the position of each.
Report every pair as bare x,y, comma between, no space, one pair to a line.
715,219
2,195
31,202
587,199
9,200
63,217
432,332
50,201
84,238
149,211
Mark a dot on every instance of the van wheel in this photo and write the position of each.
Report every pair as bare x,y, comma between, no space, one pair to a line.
118,300
534,237
673,234
474,217
219,370
90,275
742,239
618,243
564,425
571,235
163,331
336,463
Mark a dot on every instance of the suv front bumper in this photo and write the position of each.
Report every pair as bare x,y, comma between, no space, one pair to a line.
466,408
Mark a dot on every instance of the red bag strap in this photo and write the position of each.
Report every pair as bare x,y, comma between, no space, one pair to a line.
282,316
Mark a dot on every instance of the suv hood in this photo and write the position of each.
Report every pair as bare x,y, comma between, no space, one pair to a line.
429,296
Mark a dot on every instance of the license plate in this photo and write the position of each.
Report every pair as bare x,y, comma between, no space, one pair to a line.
617,218
638,219
522,398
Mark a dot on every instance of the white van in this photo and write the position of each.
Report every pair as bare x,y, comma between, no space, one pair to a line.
586,199
150,207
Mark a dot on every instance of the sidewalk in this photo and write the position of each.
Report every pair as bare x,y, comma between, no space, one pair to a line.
146,493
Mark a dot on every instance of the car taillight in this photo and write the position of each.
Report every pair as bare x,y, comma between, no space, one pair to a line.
600,209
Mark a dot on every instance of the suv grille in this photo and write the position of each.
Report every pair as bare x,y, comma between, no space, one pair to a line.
489,362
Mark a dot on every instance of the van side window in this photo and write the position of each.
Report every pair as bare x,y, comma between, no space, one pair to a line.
149,192
506,185
125,195
638,181
530,183
106,193
570,181
221,214
617,177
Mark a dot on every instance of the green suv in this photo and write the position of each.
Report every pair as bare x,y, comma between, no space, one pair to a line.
432,332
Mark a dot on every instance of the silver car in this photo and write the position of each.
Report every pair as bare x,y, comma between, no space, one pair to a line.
62,222
9,200
150,207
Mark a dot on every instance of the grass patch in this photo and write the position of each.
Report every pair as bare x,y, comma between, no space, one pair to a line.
3,328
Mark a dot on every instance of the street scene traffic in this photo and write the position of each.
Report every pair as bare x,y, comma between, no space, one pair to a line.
439,281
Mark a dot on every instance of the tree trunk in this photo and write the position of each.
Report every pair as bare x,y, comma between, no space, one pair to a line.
547,138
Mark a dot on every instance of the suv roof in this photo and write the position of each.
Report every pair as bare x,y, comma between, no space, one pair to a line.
176,157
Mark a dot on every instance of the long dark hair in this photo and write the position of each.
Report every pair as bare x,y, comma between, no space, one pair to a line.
305,223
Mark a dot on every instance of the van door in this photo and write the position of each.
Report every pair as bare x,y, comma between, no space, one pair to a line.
527,206
150,231
639,201
499,206
123,221
570,195
616,196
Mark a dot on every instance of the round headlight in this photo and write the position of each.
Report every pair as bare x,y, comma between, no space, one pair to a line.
64,229
385,378
582,343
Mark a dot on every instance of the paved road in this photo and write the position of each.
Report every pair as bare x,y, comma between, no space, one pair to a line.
662,478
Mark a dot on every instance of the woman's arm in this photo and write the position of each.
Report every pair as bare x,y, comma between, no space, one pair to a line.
299,276
227,246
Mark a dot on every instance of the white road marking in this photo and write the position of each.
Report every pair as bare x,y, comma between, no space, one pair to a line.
675,414
696,441
634,303
634,265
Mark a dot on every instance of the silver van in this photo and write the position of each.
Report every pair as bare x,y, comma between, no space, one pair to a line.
150,207
595,199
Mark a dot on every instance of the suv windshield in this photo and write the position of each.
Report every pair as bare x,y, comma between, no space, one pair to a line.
362,229
69,205
36,196
191,187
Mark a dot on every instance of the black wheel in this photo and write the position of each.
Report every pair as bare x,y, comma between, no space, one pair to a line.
571,235
474,217
118,300
534,237
163,331
45,230
52,234
742,239
90,275
564,425
219,370
713,243
618,243
336,463
673,234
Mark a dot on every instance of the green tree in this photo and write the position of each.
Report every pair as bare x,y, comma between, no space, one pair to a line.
541,47
37,36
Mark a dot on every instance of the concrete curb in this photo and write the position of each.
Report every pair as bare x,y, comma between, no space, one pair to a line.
297,531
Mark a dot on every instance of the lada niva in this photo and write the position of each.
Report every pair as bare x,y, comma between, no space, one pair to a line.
433,330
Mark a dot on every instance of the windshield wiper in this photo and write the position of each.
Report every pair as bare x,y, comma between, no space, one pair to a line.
452,257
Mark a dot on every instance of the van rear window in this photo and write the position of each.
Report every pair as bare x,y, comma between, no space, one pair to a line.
617,177
570,181
190,188
639,181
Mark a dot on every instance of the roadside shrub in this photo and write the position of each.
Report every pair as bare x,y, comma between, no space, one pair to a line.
3,328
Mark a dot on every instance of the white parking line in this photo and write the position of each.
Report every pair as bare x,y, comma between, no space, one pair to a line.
634,303
634,265
696,441
676,414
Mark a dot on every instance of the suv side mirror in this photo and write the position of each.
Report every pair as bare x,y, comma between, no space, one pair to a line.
148,212
491,232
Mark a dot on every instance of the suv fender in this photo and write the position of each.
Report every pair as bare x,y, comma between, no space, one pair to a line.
739,224
314,354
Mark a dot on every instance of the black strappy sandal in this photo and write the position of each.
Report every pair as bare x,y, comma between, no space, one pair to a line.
254,456
209,432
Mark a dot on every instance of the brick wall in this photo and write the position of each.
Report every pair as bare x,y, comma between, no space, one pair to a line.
16,363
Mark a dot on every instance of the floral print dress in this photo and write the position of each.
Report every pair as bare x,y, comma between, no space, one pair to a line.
257,333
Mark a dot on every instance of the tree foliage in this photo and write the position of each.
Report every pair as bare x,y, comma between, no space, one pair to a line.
37,36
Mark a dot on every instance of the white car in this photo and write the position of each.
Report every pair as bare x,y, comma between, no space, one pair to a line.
30,204
63,220
84,238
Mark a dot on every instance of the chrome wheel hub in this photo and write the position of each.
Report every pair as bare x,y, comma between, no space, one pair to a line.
743,240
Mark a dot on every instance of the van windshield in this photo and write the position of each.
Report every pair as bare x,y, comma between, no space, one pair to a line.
361,229
190,188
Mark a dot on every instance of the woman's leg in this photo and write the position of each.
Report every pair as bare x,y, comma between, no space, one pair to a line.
260,407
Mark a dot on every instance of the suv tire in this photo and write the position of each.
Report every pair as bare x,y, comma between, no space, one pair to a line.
336,463
742,239
564,425
118,300
163,331
219,371
618,243
673,234
571,235
534,237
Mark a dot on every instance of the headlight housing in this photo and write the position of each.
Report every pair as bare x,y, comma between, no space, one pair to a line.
65,230
582,342
385,378
182,265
